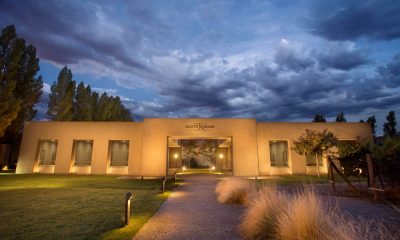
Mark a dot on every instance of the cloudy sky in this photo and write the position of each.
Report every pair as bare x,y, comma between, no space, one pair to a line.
271,60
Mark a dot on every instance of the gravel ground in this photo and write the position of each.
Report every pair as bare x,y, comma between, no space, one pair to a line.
192,212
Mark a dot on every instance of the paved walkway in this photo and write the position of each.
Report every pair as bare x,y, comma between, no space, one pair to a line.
192,212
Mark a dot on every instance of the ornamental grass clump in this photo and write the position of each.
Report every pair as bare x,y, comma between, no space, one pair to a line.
260,219
305,217
273,214
234,190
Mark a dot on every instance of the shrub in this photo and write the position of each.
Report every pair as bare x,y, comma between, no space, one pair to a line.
260,219
388,159
234,190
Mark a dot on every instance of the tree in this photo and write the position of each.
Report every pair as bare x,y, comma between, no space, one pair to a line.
29,90
387,157
372,121
94,100
352,156
11,51
389,127
340,117
60,106
20,88
319,118
315,143
83,110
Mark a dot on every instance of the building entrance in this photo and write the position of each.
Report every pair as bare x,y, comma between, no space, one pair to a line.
188,153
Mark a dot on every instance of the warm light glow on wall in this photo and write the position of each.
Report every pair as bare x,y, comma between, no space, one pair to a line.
176,155
221,155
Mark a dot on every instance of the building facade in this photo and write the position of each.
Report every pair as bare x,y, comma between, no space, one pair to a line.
155,146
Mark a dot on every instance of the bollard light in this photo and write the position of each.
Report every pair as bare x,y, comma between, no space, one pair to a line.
163,185
128,198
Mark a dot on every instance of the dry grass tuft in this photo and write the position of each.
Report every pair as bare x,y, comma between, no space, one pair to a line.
234,190
260,219
272,214
304,218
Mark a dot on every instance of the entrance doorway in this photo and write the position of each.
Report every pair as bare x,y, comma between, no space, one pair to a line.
196,154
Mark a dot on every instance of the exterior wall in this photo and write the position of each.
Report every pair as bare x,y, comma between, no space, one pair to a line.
65,132
292,131
157,130
148,141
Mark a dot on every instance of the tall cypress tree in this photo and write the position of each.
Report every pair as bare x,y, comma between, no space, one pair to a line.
340,117
82,105
94,100
11,51
29,89
319,118
372,121
60,106
104,107
389,127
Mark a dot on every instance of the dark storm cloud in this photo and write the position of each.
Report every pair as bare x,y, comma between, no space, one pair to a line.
352,19
390,73
66,32
342,59
289,60
272,95
222,59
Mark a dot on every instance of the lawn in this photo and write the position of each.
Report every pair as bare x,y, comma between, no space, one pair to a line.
36,206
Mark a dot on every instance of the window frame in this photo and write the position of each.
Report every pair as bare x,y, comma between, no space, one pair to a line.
75,141
285,164
39,149
110,152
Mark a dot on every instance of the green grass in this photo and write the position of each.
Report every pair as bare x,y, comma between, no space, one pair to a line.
36,206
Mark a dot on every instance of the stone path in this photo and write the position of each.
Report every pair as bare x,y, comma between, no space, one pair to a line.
192,212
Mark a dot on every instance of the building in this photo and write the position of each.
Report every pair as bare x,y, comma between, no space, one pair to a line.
153,147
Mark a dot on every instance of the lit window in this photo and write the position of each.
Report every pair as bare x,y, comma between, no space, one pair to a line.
278,153
119,152
83,152
47,152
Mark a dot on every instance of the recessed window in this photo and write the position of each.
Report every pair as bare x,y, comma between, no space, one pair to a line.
119,152
47,152
83,152
278,153
310,160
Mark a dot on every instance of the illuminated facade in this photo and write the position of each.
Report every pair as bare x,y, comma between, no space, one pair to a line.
155,147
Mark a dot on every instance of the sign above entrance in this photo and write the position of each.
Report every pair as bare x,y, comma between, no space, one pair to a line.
200,126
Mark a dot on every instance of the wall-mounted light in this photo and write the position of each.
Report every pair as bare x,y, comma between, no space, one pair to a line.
176,155
213,168
221,155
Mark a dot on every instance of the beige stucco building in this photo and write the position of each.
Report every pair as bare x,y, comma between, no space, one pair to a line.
153,147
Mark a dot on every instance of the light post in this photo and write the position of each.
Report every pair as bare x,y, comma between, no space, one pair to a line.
128,198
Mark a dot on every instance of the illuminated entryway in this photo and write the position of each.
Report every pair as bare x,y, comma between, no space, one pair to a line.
199,153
